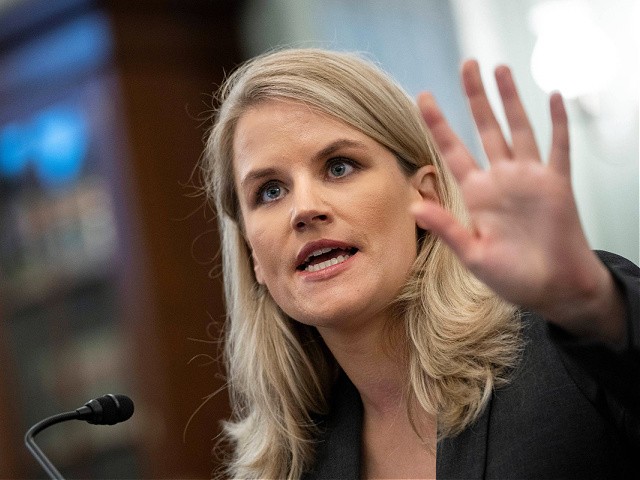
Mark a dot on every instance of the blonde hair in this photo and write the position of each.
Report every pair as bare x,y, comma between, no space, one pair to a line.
461,338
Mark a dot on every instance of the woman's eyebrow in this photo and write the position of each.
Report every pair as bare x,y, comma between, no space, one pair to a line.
330,149
337,145
257,174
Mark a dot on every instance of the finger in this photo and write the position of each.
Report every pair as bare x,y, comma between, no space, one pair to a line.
488,127
453,151
432,217
560,145
522,138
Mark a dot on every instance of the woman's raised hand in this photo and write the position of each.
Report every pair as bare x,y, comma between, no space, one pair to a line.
524,238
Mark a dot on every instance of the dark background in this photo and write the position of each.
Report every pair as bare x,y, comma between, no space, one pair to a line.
137,307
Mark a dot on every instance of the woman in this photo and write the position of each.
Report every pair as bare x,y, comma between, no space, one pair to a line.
377,327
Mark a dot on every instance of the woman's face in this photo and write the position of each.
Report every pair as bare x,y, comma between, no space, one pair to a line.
326,213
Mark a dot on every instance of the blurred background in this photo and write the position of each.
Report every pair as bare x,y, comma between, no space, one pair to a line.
108,256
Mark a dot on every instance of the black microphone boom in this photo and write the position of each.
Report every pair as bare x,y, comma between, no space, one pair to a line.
106,410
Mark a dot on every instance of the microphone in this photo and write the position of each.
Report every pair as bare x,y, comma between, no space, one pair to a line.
106,410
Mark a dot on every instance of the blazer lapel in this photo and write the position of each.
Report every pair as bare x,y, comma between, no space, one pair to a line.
338,453
464,456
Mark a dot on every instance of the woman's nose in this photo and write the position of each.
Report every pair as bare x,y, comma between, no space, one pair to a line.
309,208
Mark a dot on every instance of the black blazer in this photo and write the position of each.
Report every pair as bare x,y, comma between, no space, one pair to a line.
571,410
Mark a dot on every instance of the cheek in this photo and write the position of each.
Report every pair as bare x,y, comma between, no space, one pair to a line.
392,218
390,213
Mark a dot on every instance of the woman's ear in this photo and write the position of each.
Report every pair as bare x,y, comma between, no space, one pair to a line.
425,181
257,270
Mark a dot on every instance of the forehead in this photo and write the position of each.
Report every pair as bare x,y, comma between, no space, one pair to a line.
277,130
279,119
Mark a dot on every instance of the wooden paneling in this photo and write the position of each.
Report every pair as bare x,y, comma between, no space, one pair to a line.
168,58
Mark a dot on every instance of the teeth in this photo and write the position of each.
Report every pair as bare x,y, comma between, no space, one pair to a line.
317,253
328,263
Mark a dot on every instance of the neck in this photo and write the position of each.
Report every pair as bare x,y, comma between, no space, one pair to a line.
375,364
392,444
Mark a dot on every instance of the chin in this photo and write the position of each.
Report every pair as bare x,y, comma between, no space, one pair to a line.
339,318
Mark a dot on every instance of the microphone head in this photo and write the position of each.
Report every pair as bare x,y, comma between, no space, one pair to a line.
107,410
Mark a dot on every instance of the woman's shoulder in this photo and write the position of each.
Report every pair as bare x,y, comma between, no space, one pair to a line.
556,410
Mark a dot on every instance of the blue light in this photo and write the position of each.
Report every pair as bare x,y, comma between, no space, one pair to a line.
61,146
55,142
14,150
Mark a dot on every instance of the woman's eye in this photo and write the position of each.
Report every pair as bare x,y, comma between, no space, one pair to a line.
270,192
340,168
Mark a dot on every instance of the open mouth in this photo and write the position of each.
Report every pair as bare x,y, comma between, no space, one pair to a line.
326,257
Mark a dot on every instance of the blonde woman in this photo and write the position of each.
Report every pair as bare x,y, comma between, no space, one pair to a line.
381,304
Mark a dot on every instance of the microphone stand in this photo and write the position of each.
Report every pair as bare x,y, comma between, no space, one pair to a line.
39,455
106,410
